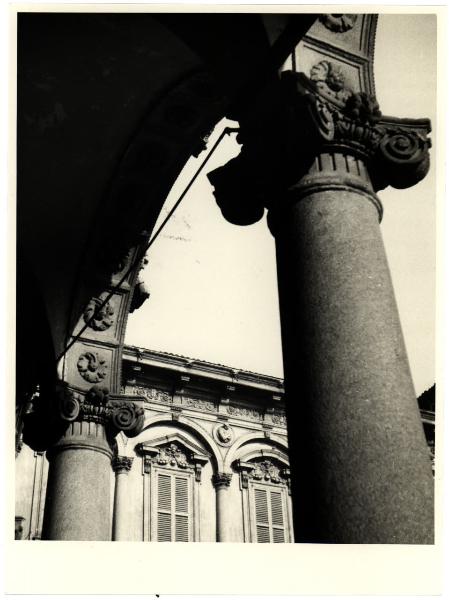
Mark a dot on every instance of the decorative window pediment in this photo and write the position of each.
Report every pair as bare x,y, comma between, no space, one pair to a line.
174,452
263,469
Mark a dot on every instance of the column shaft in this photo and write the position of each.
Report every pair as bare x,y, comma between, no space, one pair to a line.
360,465
222,482
78,490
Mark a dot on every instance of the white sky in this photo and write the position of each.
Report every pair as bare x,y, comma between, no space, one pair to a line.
213,285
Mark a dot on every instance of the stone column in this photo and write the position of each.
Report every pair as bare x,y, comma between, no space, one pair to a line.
120,529
356,438
359,463
77,505
78,488
221,482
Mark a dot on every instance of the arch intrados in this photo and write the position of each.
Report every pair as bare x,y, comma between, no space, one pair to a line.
275,440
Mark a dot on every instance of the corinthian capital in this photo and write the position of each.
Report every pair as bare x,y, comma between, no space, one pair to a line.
221,480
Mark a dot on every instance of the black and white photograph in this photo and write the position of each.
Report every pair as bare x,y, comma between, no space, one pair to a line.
225,266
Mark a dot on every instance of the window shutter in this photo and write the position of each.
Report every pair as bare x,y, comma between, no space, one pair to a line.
277,517
164,508
181,509
262,518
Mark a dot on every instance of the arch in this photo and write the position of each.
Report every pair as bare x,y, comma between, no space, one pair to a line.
250,437
189,426
261,453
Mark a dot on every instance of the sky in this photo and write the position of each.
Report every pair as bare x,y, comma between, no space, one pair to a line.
213,285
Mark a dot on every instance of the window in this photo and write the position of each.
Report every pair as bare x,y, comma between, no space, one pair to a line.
266,502
171,489
173,511
269,514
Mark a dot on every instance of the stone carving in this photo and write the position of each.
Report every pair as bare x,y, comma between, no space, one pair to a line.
97,316
250,414
92,367
363,108
126,416
224,434
199,404
152,394
221,480
69,404
98,407
122,464
266,470
330,81
279,419
172,455
337,22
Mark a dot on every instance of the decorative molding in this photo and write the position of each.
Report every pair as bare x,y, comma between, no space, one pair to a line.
198,404
221,480
122,464
263,469
99,317
224,434
151,394
175,455
92,366
249,414
279,419
338,23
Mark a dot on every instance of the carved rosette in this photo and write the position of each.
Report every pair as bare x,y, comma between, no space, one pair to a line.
98,316
221,480
122,464
92,367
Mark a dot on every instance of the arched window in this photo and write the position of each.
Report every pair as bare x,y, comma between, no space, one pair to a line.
172,474
265,485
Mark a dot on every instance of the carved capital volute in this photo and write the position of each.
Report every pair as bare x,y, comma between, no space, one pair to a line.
122,464
49,418
313,117
221,480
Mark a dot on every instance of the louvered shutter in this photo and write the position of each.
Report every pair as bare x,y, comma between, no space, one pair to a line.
277,517
181,509
269,514
262,515
164,508
173,508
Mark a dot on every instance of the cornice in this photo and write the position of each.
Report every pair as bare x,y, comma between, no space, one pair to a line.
201,369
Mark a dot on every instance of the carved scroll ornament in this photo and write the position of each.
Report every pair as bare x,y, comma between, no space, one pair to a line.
97,406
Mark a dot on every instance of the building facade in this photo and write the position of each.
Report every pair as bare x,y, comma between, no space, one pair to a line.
181,449
211,462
